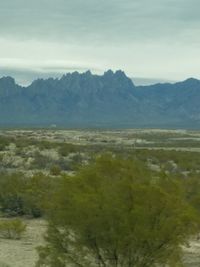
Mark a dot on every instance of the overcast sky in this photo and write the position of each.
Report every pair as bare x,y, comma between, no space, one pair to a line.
145,38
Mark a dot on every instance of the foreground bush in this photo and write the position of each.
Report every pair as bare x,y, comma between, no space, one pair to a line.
116,212
12,229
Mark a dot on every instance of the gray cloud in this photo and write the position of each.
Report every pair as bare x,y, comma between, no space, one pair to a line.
98,20
146,38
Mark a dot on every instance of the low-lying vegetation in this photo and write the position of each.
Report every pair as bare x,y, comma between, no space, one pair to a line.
106,204
12,229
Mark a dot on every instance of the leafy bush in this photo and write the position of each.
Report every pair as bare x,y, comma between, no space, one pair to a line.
115,212
65,149
38,192
12,188
12,229
20,195
41,162
4,142
55,170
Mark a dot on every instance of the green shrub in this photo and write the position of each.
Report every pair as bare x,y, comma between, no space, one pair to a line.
41,162
4,142
12,229
12,205
12,188
38,190
65,149
55,170
116,212
21,196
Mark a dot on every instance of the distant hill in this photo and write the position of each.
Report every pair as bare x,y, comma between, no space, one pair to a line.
149,81
110,100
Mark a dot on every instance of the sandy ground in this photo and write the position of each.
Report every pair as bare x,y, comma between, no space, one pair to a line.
22,253
192,254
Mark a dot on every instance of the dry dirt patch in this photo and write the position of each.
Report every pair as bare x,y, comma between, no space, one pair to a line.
21,253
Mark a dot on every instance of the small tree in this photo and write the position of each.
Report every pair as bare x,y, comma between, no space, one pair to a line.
115,213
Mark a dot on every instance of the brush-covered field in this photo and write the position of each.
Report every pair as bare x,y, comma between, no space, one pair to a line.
34,162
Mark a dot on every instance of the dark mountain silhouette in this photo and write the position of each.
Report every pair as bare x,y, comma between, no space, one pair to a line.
110,100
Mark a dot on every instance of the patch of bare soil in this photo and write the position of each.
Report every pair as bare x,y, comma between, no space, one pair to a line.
192,254
22,253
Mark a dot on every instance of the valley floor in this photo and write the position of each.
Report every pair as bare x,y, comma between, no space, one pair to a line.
31,151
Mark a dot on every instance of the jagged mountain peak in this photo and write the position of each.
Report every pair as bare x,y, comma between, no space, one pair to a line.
118,73
7,80
80,99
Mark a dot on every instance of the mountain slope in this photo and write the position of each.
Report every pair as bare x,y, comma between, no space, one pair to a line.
110,100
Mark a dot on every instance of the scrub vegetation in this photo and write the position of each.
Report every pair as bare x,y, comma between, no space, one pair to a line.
103,203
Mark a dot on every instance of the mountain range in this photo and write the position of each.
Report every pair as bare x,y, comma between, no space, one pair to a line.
108,100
